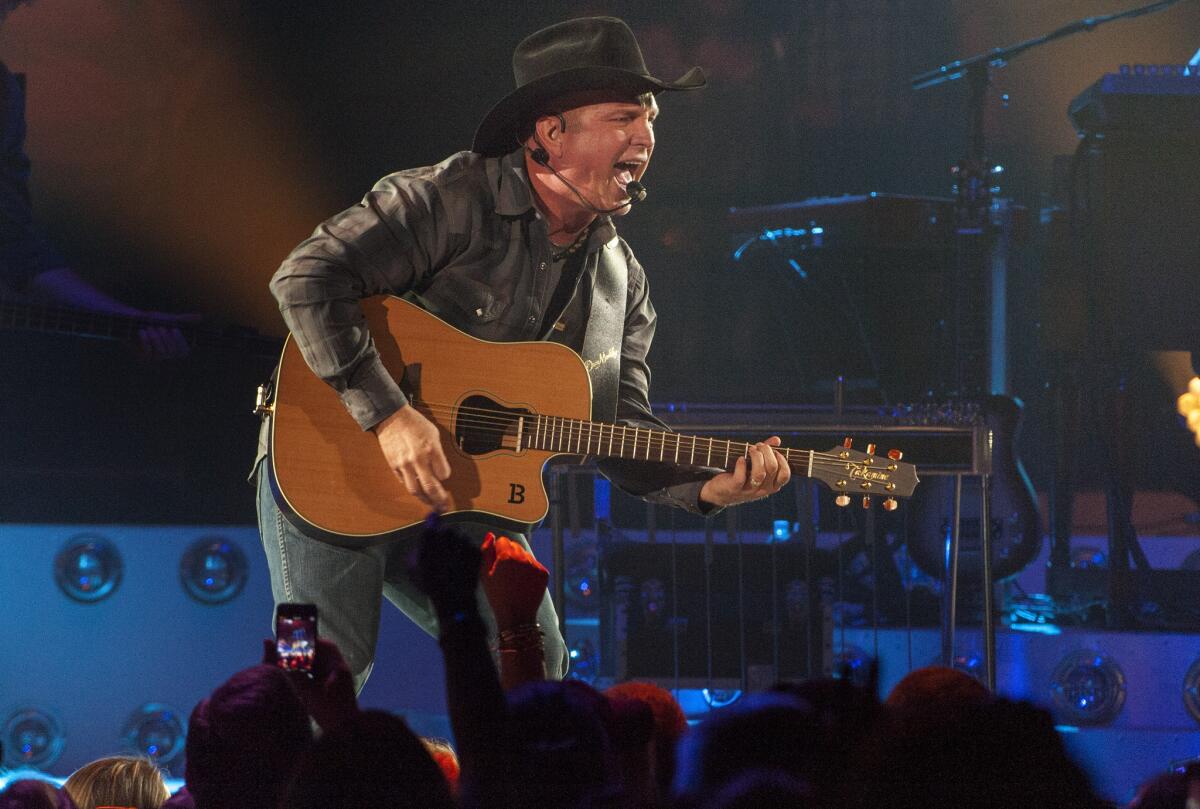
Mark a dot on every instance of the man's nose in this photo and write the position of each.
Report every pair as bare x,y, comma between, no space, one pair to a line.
643,135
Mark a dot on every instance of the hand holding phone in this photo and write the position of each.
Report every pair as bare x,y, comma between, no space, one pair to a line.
296,637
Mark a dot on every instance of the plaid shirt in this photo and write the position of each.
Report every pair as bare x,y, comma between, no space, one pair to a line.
465,236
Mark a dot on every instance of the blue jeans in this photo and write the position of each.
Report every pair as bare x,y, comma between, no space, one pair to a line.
348,584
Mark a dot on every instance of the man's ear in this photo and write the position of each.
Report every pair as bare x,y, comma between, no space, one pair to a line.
549,130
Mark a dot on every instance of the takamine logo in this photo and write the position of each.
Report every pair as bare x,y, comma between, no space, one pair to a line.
858,472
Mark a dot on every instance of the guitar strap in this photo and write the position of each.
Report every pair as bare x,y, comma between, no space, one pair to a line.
608,273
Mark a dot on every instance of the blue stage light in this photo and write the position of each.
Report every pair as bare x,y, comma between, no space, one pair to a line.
720,697
88,568
585,661
653,601
583,572
33,738
213,570
853,663
1088,688
157,731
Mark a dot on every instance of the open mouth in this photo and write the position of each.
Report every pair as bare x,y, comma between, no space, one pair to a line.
625,171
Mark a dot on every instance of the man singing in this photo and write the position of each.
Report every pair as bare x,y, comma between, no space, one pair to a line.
512,241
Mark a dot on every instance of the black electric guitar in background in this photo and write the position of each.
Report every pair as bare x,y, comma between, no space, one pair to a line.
18,313
972,393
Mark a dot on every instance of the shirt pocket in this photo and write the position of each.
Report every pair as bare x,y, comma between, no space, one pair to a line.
465,301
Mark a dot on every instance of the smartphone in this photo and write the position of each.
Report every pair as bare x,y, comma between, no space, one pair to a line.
296,637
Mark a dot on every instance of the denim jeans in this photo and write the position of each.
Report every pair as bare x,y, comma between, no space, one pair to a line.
348,584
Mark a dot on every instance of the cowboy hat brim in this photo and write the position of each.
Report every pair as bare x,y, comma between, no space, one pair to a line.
499,133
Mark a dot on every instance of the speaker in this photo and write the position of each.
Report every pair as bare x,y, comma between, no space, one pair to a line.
1136,199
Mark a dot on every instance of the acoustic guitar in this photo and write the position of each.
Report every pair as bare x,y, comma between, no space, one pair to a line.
503,410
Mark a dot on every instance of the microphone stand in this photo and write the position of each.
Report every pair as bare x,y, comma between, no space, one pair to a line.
977,233
999,57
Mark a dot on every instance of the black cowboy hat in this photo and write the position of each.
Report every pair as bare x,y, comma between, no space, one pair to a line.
590,53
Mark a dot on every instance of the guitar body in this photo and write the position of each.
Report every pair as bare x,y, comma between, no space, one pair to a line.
330,476
1016,525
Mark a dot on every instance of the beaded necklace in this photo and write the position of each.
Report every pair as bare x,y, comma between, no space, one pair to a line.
571,248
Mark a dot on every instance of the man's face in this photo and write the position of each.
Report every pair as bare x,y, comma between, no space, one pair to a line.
606,145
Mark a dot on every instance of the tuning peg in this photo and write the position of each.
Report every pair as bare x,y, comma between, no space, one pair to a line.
895,454
842,500
890,504
870,449
866,501
847,442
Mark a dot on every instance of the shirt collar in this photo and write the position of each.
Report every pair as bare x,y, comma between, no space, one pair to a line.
514,197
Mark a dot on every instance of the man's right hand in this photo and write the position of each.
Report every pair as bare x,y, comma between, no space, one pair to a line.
413,449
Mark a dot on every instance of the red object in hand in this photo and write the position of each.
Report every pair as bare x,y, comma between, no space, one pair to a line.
513,580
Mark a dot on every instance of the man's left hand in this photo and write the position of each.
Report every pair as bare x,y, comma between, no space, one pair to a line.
760,473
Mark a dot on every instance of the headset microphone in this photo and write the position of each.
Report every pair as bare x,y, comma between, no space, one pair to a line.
635,190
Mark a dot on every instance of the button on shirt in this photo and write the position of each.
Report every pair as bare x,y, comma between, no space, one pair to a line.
465,238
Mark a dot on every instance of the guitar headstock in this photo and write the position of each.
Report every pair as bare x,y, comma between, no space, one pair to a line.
852,472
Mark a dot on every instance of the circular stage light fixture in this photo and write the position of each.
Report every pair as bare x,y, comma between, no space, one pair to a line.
1191,690
585,661
1088,688
88,568
32,738
213,570
157,731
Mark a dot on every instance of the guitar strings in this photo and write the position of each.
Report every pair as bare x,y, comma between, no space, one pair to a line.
499,422
502,422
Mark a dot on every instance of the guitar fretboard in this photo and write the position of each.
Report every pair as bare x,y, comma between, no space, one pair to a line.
578,437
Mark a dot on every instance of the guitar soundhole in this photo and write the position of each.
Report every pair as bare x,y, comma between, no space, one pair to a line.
483,425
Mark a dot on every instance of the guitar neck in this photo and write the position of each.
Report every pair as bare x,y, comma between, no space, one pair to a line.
601,440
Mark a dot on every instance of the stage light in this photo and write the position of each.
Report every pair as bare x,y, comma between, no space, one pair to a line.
1191,690
88,568
853,663
157,731
1087,557
969,663
213,570
32,738
1188,405
585,661
653,601
1088,688
583,574
720,697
